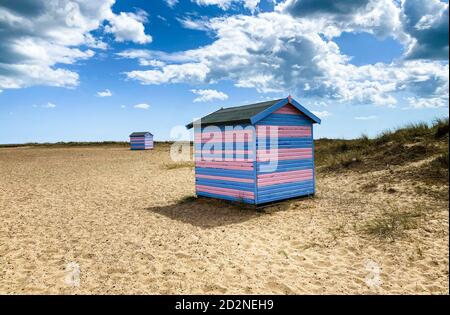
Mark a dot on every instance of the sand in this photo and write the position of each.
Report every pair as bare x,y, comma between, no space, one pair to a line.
106,220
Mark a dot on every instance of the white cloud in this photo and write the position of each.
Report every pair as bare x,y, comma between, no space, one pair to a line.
209,95
187,72
49,105
372,117
122,106
143,56
425,23
39,37
104,93
129,27
226,4
379,17
142,106
171,3
276,52
201,24
432,102
321,114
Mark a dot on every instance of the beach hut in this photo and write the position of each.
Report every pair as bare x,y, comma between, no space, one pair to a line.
141,140
256,153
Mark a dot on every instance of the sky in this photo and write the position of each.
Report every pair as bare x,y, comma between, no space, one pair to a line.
99,70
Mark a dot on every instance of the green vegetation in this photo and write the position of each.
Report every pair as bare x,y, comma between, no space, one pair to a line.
392,224
412,143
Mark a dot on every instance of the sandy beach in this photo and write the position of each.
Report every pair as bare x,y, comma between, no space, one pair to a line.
128,222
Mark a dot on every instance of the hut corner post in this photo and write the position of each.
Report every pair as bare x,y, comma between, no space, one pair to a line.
313,160
255,166
196,125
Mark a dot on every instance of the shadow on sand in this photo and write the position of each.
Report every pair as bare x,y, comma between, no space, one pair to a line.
210,213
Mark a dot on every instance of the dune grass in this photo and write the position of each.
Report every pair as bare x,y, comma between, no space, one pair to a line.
411,143
392,224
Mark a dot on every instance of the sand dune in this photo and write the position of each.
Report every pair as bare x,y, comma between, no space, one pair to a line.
122,221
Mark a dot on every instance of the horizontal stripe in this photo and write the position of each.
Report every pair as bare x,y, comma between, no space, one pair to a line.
288,109
276,181
226,133
283,128
262,142
285,166
222,159
285,145
283,187
268,158
228,155
219,140
226,191
225,184
219,196
226,178
286,195
220,151
290,174
226,165
223,172
222,127
225,146
284,154
285,120
283,131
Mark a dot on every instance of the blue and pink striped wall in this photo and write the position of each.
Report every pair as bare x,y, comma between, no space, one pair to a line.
141,142
265,162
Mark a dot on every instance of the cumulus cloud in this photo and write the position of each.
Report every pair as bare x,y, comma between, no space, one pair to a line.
187,72
378,17
323,7
209,95
105,93
142,106
426,22
129,27
37,38
430,102
277,52
226,4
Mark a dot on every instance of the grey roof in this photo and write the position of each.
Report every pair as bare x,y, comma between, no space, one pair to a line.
140,134
241,114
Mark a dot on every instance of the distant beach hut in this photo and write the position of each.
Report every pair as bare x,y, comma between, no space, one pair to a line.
141,140
256,153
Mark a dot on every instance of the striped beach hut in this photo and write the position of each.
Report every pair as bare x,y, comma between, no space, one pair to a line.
256,153
141,140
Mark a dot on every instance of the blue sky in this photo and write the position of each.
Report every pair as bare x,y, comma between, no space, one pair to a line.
363,67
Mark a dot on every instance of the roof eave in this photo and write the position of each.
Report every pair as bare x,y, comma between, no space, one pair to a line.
280,104
230,122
